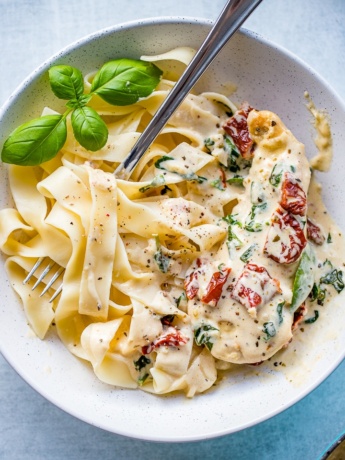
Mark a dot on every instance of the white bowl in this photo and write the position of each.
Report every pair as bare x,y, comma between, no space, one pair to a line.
269,78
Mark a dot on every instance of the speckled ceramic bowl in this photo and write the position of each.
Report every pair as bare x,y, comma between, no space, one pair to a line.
267,77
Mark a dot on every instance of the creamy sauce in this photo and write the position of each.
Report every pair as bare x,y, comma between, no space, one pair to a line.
323,140
251,334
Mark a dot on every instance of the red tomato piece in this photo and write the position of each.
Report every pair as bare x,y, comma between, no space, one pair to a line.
314,233
293,198
237,128
285,239
298,316
255,287
215,286
191,285
172,338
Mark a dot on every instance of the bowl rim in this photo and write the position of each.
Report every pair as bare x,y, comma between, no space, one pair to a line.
161,20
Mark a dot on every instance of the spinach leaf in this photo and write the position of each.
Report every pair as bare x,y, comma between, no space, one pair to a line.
231,219
89,129
248,253
208,143
181,300
157,182
317,294
233,242
218,184
334,277
125,81
161,260
250,224
204,336
276,175
233,154
158,163
188,177
142,362
66,82
280,307
304,278
313,319
36,141
142,379
269,329
236,180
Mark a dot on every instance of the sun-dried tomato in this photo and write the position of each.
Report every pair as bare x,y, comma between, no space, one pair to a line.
191,284
255,286
237,127
293,198
285,239
171,339
314,233
298,316
215,286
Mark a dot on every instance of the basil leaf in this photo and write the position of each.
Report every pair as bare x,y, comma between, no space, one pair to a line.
66,82
125,81
36,141
304,278
89,129
80,102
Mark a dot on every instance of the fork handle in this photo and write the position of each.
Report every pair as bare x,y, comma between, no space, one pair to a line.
231,18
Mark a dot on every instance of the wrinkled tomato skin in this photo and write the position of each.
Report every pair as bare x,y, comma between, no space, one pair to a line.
286,222
237,127
298,316
169,340
314,233
215,286
246,295
293,198
191,285
253,297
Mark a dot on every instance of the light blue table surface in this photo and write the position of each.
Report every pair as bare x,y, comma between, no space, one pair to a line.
32,428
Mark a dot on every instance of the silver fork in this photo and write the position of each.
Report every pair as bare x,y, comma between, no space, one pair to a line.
231,18
43,274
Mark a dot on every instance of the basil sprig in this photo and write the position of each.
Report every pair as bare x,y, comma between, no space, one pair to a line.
118,82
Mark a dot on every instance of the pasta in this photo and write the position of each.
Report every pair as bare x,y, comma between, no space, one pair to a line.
192,264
